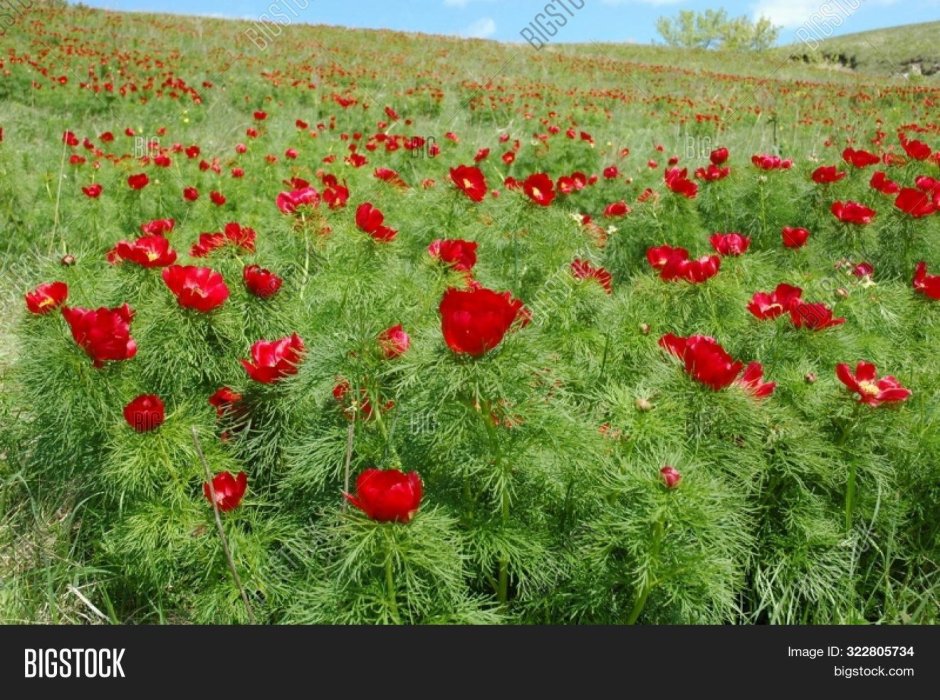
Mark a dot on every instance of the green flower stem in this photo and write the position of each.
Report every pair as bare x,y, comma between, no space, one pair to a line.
502,585
850,490
659,533
390,588
851,486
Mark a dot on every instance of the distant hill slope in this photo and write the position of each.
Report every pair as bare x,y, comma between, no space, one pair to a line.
912,49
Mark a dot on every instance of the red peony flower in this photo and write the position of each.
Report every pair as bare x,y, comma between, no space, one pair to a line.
915,202
540,189
470,181
370,220
678,181
104,334
863,269
92,191
719,156
146,251
712,173
879,181
928,285
730,243
261,282
336,196
827,174
47,297
394,342
753,381
459,254
224,401
475,321
289,202
229,490
794,237
704,360
661,256
138,182
816,317
871,390
145,413
157,227
771,162
692,271
853,213
197,288
274,360
387,496
234,234
584,270
918,150
860,159
190,194
671,476
773,305
616,209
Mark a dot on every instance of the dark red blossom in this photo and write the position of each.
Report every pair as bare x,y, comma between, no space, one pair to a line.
670,476
138,182
289,202
704,360
730,243
146,251
459,254
915,202
145,413
470,181
753,381
871,390
815,317
261,282
768,306
197,288
859,159
794,237
540,189
827,174
104,334
46,297
584,270
928,285
475,321
394,342
387,496
678,182
370,220
229,490
853,213
157,227
274,360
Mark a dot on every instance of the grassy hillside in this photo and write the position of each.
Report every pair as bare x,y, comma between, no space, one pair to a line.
589,445
911,50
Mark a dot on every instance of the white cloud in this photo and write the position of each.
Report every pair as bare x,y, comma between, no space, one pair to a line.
481,29
461,3
797,13
640,2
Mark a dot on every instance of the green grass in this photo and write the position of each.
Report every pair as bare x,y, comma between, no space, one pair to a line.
758,533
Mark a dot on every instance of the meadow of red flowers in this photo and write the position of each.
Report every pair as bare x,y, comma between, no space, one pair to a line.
589,341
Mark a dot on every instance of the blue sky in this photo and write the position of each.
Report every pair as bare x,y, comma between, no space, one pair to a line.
598,20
